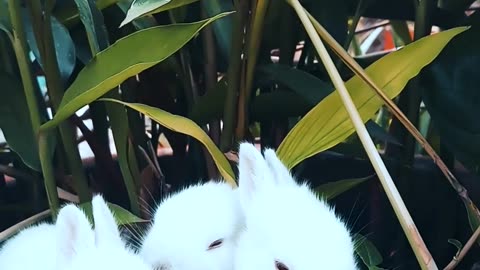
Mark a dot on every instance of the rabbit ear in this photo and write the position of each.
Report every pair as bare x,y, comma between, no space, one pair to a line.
74,232
253,172
106,228
277,168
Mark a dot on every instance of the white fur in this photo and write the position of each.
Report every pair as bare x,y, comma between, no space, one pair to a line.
187,222
286,221
31,248
71,244
103,249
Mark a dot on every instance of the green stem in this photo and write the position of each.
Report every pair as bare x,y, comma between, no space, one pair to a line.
21,53
55,91
253,46
118,118
233,76
48,172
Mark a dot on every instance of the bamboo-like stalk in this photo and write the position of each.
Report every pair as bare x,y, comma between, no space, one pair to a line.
421,252
55,91
233,76
20,47
48,173
359,71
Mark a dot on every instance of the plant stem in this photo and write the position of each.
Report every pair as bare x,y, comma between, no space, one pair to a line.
55,90
21,49
48,172
21,53
359,71
456,259
233,76
421,252
253,46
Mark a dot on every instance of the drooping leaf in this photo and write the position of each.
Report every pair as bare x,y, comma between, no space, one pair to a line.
92,19
122,216
313,90
451,95
305,84
141,8
64,47
4,16
328,123
331,190
210,106
67,12
457,244
143,22
185,126
222,28
122,60
15,121
367,252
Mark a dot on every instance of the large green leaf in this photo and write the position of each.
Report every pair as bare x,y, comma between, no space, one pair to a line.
303,83
127,57
328,123
185,126
64,47
141,8
451,94
331,190
15,121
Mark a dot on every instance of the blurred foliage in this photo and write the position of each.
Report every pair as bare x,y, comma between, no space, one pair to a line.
100,96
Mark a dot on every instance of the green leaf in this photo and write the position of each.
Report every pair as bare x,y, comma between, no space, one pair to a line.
67,12
328,123
311,88
141,8
210,105
92,19
367,251
141,22
457,244
122,216
122,60
331,190
64,47
15,121
450,92
185,126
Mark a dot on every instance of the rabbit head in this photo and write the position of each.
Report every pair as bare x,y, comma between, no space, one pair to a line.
287,225
194,229
79,247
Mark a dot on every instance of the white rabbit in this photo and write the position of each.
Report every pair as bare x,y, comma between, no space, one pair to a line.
194,229
98,250
287,225
31,248
71,244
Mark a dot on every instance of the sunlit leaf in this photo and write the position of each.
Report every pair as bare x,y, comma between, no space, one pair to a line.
122,60
185,126
328,123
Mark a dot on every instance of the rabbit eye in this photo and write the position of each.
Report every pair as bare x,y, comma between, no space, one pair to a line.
280,266
215,244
